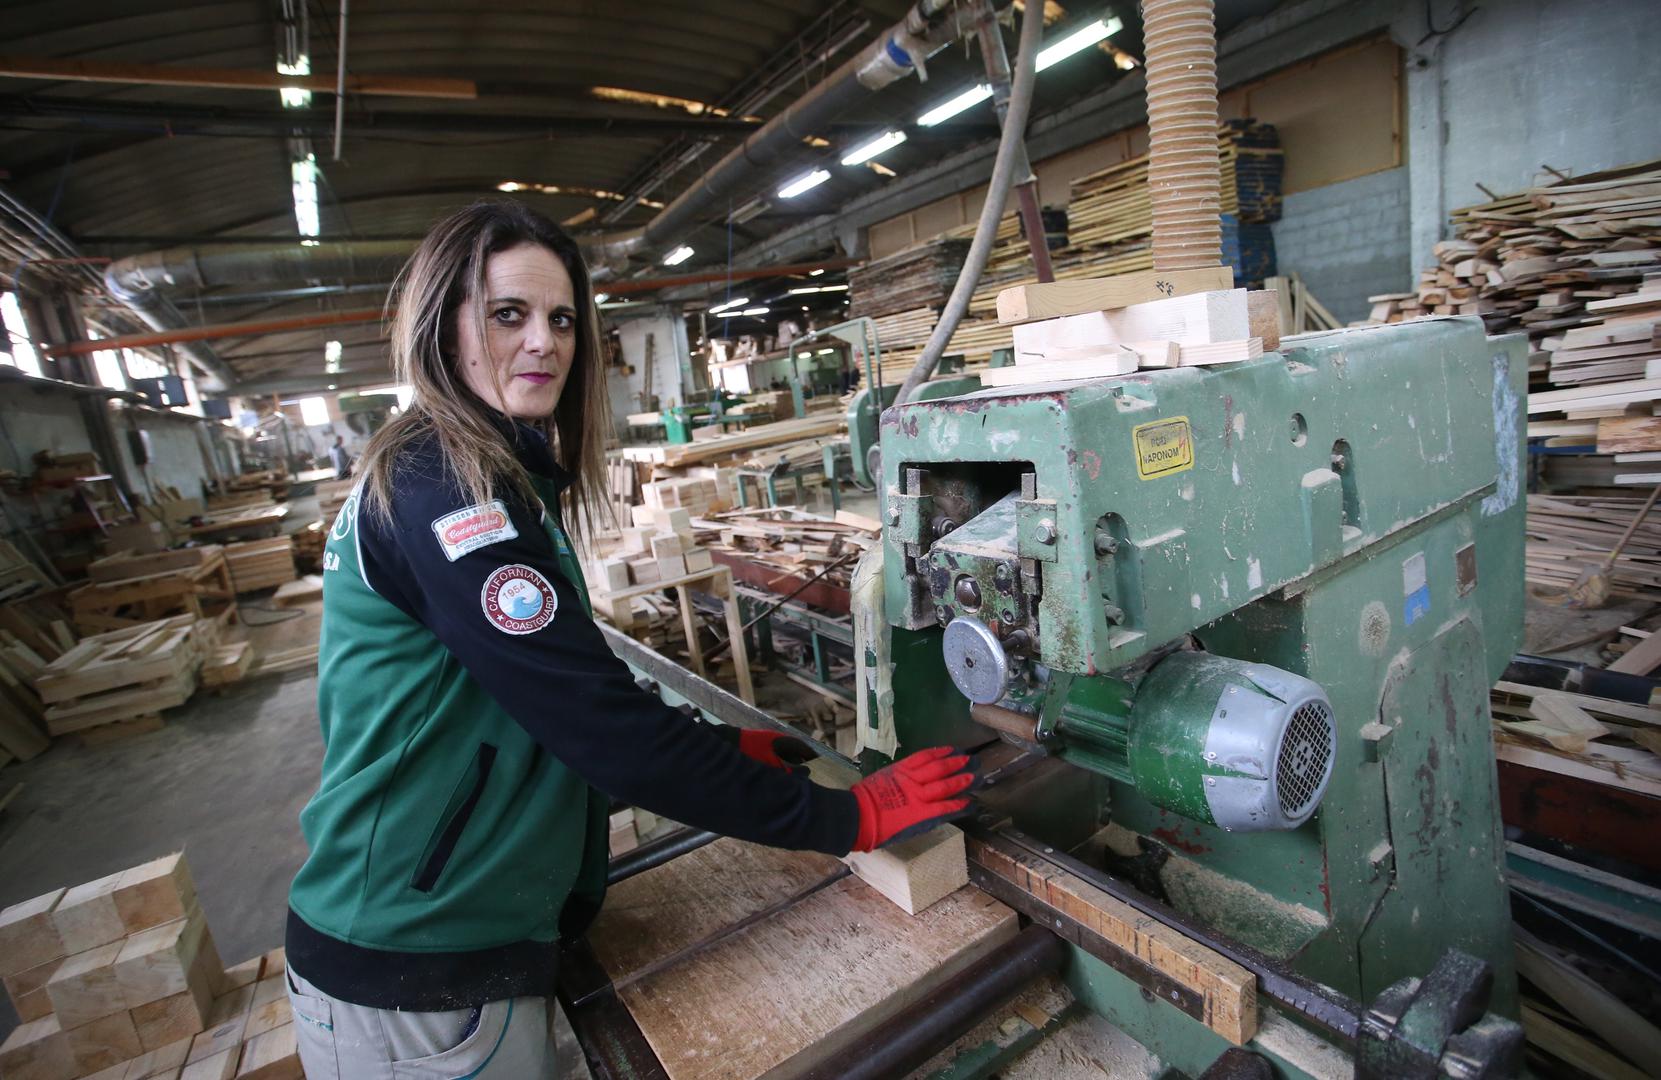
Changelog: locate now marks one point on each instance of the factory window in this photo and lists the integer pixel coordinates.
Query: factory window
(314, 411)
(15, 349)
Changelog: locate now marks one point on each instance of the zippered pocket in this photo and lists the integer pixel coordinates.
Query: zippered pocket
(463, 800)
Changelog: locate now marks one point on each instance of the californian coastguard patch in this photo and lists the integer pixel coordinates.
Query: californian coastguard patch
(518, 600)
(473, 527)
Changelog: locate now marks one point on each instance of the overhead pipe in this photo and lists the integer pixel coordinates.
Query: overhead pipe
(997, 190)
(905, 47)
(185, 335)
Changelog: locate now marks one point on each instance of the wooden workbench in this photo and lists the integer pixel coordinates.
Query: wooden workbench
(795, 990)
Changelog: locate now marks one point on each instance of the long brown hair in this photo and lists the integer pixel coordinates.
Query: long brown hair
(443, 280)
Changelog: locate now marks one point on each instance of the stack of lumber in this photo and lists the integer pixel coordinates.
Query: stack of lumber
(795, 543)
(1615, 743)
(1110, 233)
(697, 495)
(270, 481)
(237, 500)
(125, 677)
(918, 277)
(261, 564)
(659, 546)
(127, 589)
(1568, 533)
(120, 977)
(227, 664)
(38, 618)
(309, 543)
(1115, 326)
(730, 447)
(52, 468)
(331, 496)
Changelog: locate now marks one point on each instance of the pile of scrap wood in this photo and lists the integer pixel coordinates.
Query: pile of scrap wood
(795, 543)
(726, 448)
(1569, 533)
(120, 977)
(125, 677)
(261, 564)
(696, 494)
(920, 277)
(126, 589)
(309, 543)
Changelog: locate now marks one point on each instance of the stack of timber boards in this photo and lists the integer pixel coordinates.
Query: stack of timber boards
(261, 564)
(796, 990)
(125, 676)
(737, 444)
(793, 542)
(659, 546)
(1114, 326)
(918, 277)
(1567, 533)
(1614, 743)
(119, 979)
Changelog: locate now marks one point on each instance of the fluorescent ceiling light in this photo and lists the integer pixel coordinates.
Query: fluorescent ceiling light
(948, 109)
(303, 173)
(816, 273)
(331, 357)
(1079, 40)
(803, 290)
(804, 183)
(678, 256)
(295, 97)
(755, 311)
(738, 303)
(886, 141)
(601, 297)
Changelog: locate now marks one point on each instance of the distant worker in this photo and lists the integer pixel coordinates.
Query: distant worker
(340, 459)
(474, 719)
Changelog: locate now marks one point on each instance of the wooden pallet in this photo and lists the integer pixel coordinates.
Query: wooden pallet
(196, 575)
(125, 674)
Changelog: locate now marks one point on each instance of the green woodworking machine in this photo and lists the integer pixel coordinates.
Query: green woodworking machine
(1233, 629)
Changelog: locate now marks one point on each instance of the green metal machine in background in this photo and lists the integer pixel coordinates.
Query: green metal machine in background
(1247, 618)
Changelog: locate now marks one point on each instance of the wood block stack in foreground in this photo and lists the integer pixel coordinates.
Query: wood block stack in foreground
(120, 978)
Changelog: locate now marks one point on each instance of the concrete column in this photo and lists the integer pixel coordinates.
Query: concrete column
(1425, 129)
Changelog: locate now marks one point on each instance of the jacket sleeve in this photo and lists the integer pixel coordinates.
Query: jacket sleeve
(507, 613)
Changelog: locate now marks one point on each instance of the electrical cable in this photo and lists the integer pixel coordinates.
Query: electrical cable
(1003, 176)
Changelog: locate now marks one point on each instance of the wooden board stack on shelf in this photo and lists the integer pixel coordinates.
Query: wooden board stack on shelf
(120, 977)
(125, 677)
(245, 523)
(261, 564)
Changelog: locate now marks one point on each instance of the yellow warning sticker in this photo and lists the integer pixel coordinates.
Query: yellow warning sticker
(1163, 447)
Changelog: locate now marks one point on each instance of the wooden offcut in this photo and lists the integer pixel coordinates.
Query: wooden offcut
(916, 873)
(833, 964)
(1056, 298)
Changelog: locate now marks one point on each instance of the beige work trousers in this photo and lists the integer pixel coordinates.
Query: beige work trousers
(501, 1040)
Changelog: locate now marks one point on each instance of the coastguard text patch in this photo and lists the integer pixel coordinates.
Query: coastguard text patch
(472, 528)
(518, 599)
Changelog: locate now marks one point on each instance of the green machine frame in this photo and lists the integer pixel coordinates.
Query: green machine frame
(1346, 515)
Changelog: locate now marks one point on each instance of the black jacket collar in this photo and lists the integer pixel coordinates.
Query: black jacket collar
(531, 447)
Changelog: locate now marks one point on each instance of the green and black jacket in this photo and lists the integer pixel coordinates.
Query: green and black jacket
(468, 702)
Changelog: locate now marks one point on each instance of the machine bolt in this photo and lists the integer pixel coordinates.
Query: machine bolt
(1114, 613)
(1045, 532)
(1211, 781)
(1001, 572)
(968, 593)
(893, 515)
(944, 614)
(1211, 755)
(1105, 544)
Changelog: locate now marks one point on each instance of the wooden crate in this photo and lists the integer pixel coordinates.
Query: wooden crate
(151, 587)
(125, 675)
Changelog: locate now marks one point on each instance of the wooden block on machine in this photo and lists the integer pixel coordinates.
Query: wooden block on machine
(27, 990)
(87, 917)
(1263, 313)
(38, 1050)
(1108, 365)
(1196, 319)
(834, 964)
(1225, 993)
(158, 962)
(1057, 298)
(28, 936)
(84, 987)
(916, 873)
(106, 1041)
(271, 1055)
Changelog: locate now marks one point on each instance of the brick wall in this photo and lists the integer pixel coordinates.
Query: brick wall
(1348, 240)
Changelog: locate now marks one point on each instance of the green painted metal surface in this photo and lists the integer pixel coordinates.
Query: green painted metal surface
(1349, 510)
(864, 410)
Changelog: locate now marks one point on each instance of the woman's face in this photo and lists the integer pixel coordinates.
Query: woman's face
(530, 333)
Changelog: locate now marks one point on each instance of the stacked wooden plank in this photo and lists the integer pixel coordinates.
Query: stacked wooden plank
(246, 522)
(659, 546)
(697, 495)
(728, 447)
(1568, 534)
(1615, 743)
(126, 676)
(127, 589)
(120, 977)
(54, 468)
(227, 664)
(261, 564)
(918, 277)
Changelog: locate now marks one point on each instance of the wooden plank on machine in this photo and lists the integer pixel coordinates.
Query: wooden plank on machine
(1226, 991)
(797, 989)
(1194, 319)
(1055, 298)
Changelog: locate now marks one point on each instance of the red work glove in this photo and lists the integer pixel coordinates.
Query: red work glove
(912, 796)
(773, 748)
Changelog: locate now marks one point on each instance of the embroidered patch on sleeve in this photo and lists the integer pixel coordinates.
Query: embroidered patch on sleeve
(518, 600)
(473, 527)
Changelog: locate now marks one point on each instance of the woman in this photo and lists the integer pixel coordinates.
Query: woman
(468, 701)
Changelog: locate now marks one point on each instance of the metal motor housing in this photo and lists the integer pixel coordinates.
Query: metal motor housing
(1247, 747)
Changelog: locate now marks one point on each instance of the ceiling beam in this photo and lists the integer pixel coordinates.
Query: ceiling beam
(252, 328)
(55, 68)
